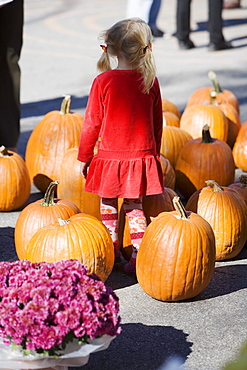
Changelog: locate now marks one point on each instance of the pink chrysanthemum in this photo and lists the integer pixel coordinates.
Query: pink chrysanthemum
(44, 305)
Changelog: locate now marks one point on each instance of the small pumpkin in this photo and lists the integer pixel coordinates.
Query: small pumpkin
(239, 150)
(72, 184)
(169, 175)
(15, 186)
(153, 205)
(57, 132)
(168, 106)
(170, 119)
(172, 141)
(38, 214)
(177, 255)
(202, 95)
(241, 187)
(82, 237)
(226, 212)
(202, 159)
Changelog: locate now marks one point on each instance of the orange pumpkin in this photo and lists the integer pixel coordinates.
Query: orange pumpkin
(172, 141)
(196, 116)
(226, 212)
(177, 255)
(57, 132)
(15, 183)
(153, 205)
(241, 187)
(202, 159)
(82, 237)
(239, 150)
(72, 185)
(169, 175)
(168, 106)
(170, 119)
(202, 95)
(38, 214)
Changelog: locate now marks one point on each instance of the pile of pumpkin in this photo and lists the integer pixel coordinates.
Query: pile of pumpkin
(181, 244)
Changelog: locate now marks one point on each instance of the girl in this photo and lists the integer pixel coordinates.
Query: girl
(124, 114)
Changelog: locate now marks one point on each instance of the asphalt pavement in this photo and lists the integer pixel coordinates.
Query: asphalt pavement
(59, 56)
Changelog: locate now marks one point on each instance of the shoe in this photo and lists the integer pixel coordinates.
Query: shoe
(224, 45)
(156, 32)
(186, 44)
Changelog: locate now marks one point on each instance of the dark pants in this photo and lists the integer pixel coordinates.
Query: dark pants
(11, 29)
(215, 23)
(153, 13)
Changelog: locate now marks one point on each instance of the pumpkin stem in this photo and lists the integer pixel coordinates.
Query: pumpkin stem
(65, 106)
(213, 78)
(213, 95)
(63, 222)
(206, 137)
(178, 205)
(214, 185)
(3, 151)
(243, 180)
(49, 195)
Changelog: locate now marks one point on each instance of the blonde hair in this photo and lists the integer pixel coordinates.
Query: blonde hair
(130, 39)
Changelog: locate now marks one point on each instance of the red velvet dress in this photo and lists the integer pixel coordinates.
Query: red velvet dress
(128, 126)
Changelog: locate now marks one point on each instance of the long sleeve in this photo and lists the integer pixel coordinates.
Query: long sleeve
(92, 124)
(157, 117)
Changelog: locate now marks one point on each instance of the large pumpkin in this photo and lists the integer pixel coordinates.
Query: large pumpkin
(239, 150)
(38, 214)
(57, 132)
(196, 116)
(168, 106)
(177, 255)
(72, 185)
(15, 185)
(203, 94)
(202, 159)
(226, 212)
(82, 237)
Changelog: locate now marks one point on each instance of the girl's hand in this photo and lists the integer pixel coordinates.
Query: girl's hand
(84, 169)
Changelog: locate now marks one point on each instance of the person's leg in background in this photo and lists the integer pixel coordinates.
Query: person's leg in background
(11, 31)
(137, 226)
(183, 24)
(153, 15)
(215, 26)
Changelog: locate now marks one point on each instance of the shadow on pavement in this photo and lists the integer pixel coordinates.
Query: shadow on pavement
(155, 345)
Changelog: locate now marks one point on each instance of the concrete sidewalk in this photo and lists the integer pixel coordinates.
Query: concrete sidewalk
(59, 56)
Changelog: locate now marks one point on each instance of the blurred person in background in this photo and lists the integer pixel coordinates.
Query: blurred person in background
(11, 38)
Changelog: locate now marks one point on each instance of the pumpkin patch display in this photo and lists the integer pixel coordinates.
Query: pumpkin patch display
(15, 186)
(225, 210)
(82, 237)
(202, 159)
(72, 184)
(176, 258)
(57, 132)
(203, 94)
(38, 214)
(239, 150)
